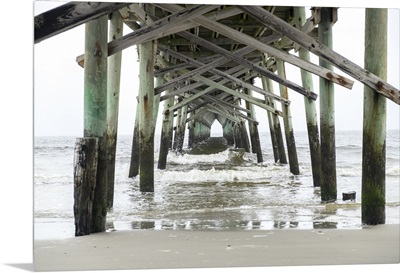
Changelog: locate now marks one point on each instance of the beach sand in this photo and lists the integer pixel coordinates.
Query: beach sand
(212, 249)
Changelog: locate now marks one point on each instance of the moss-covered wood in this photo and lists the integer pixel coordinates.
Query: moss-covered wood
(374, 122)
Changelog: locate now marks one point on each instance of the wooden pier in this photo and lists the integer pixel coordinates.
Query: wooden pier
(200, 62)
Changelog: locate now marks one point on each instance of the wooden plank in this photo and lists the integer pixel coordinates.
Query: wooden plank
(285, 56)
(321, 50)
(68, 16)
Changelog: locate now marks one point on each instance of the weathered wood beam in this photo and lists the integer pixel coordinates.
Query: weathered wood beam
(231, 109)
(285, 56)
(68, 16)
(246, 63)
(214, 85)
(219, 111)
(201, 68)
(193, 86)
(227, 104)
(156, 29)
(227, 76)
(322, 51)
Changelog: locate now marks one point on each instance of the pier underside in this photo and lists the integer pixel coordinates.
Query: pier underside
(200, 62)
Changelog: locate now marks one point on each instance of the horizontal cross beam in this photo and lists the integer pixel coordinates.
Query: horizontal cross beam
(344, 64)
(68, 16)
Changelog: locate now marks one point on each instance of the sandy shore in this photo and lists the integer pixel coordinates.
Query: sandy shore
(209, 249)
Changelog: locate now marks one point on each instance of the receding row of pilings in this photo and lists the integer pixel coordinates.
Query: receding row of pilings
(101, 91)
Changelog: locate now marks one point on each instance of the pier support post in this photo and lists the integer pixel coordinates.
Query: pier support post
(134, 166)
(253, 129)
(245, 136)
(146, 116)
(327, 108)
(85, 169)
(95, 110)
(310, 107)
(180, 131)
(374, 123)
(113, 86)
(228, 134)
(276, 132)
(287, 123)
(191, 132)
(166, 131)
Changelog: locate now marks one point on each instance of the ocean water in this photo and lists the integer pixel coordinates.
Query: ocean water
(211, 192)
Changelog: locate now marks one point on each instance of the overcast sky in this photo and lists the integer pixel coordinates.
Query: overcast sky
(58, 80)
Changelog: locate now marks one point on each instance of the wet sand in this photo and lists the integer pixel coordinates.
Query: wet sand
(212, 249)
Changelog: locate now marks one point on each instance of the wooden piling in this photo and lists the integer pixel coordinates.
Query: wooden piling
(276, 126)
(327, 115)
(134, 165)
(310, 106)
(227, 131)
(166, 131)
(146, 116)
(113, 87)
(274, 142)
(181, 130)
(245, 136)
(287, 123)
(374, 122)
(176, 130)
(95, 110)
(85, 171)
(253, 130)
